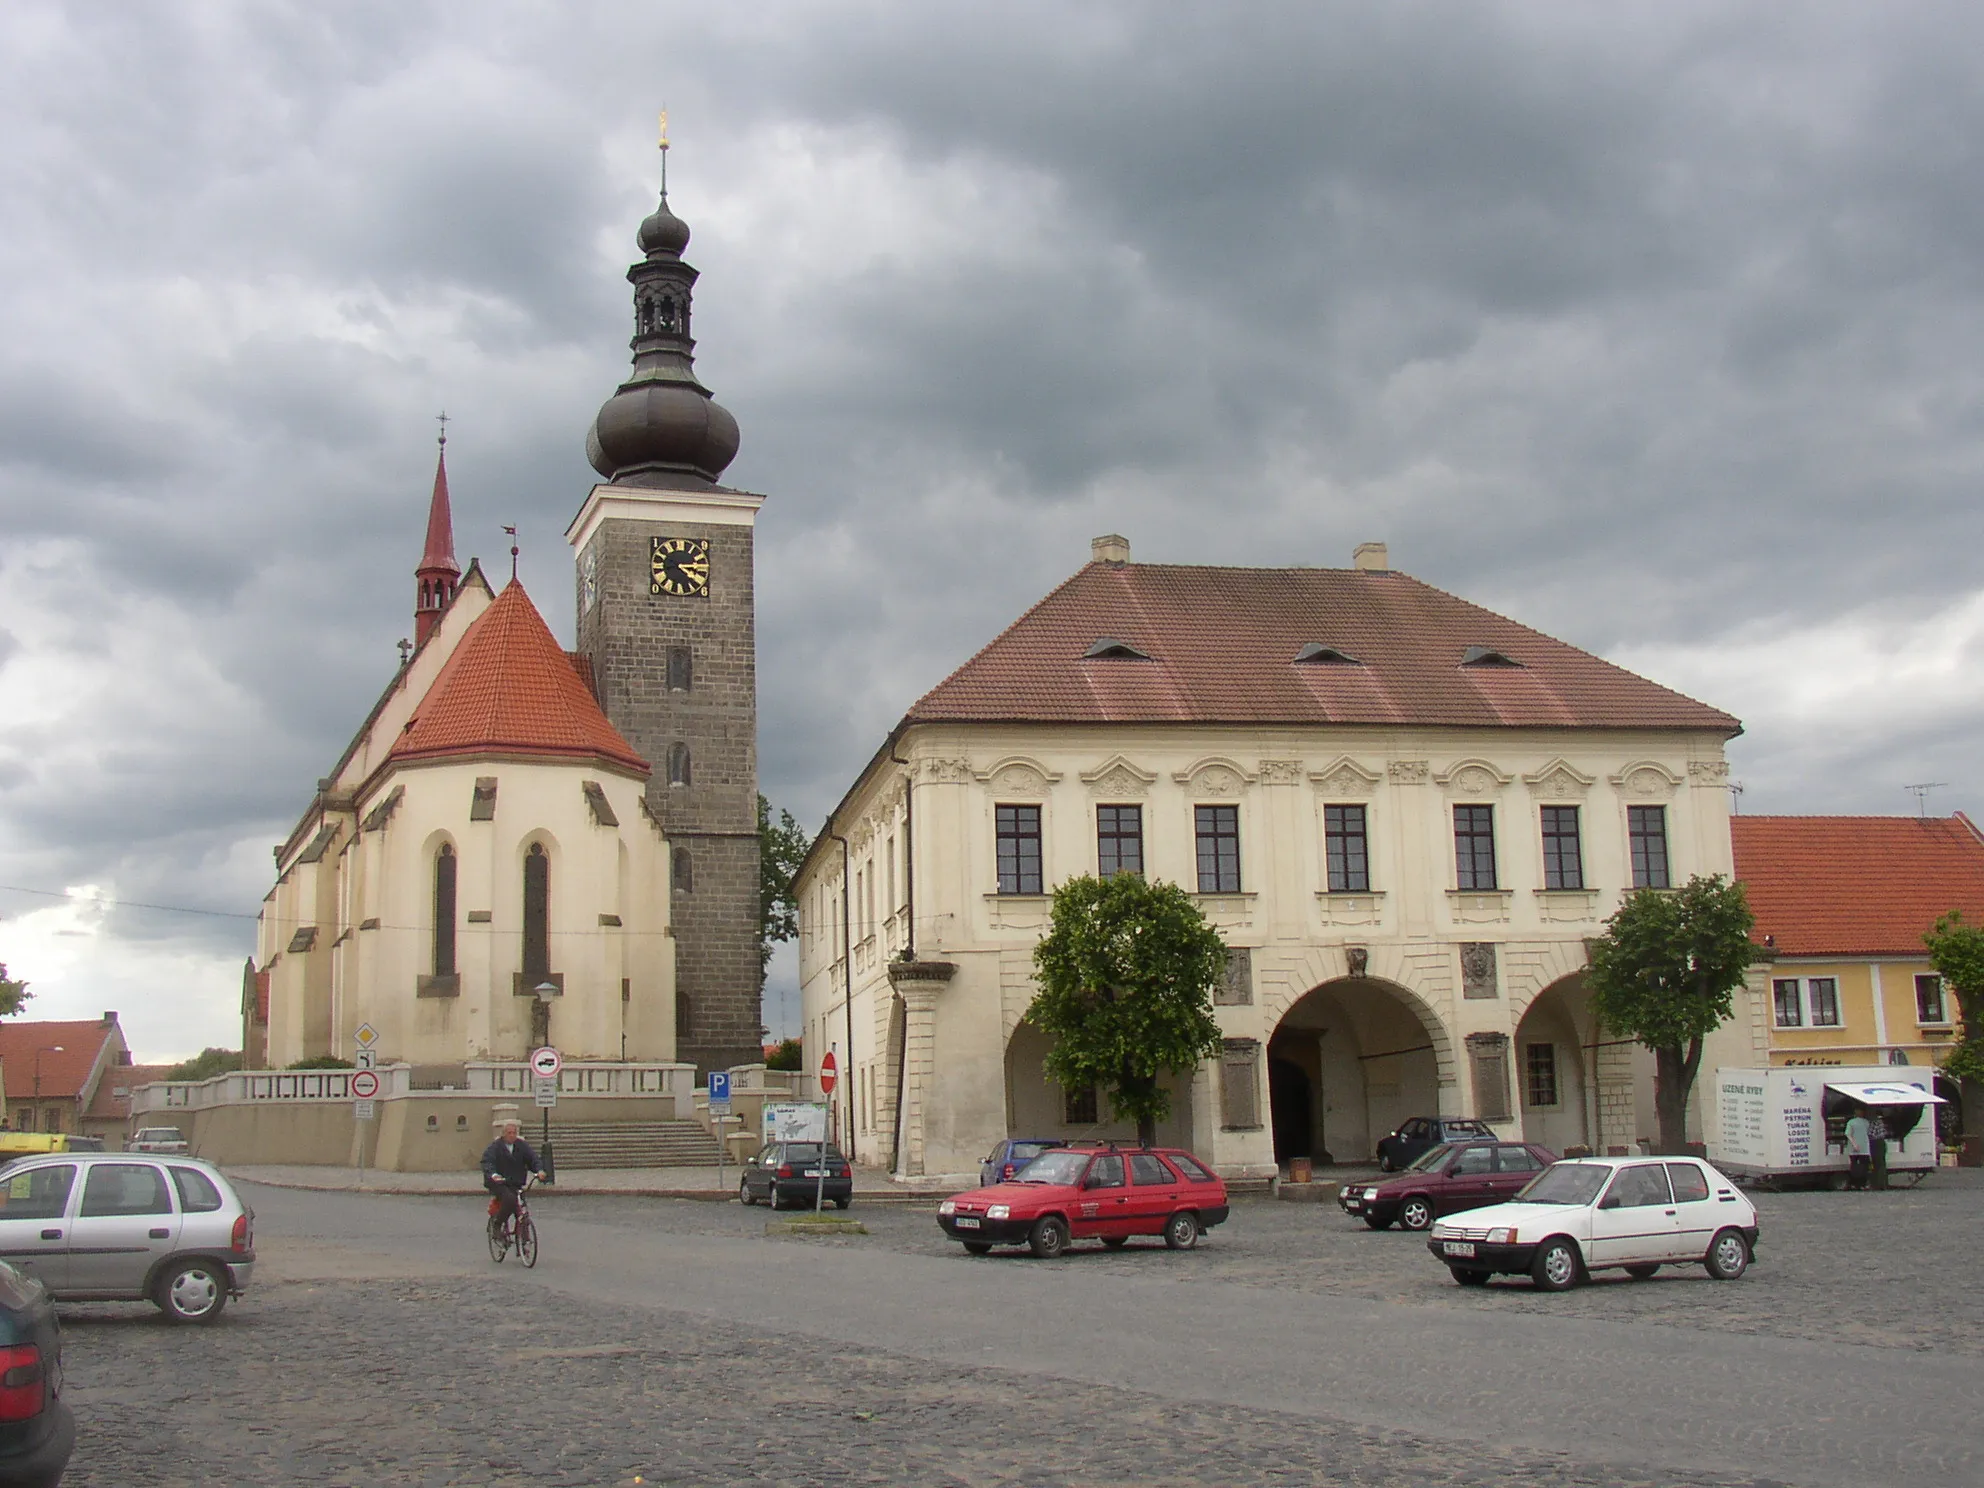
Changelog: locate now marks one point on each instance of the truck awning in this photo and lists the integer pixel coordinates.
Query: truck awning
(1888, 1095)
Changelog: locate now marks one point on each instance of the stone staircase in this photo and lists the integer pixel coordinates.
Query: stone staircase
(631, 1144)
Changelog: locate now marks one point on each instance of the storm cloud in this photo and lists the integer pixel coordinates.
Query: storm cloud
(1651, 325)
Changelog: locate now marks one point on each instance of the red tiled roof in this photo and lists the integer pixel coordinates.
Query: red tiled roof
(109, 1105)
(63, 1073)
(508, 689)
(1857, 885)
(1222, 643)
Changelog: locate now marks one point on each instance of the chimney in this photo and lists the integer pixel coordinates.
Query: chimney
(109, 1018)
(1371, 558)
(1110, 548)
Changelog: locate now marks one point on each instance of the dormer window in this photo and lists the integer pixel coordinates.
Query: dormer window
(1317, 654)
(1487, 656)
(1109, 646)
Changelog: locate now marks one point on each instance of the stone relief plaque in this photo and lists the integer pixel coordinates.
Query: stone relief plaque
(1477, 969)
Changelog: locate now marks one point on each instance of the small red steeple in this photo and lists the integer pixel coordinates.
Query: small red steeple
(438, 574)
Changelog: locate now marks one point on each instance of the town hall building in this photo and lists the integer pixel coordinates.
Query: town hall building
(1404, 814)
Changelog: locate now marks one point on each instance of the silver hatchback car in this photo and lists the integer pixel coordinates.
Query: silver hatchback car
(126, 1227)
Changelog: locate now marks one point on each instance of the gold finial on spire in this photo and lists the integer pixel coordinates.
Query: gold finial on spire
(664, 129)
(664, 152)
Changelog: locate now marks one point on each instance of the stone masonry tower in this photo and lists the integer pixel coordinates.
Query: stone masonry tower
(666, 618)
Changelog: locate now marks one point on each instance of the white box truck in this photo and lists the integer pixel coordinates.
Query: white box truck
(1789, 1121)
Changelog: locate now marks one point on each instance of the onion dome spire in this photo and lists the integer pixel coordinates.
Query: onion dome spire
(661, 427)
(438, 575)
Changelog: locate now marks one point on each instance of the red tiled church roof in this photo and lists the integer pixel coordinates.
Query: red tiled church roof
(1222, 642)
(68, 1052)
(1857, 885)
(508, 689)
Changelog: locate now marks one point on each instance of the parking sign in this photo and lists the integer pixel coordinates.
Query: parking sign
(719, 1093)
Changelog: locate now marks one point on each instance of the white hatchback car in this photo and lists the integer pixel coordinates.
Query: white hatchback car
(1599, 1213)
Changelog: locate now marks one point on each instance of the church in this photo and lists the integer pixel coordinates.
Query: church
(523, 845)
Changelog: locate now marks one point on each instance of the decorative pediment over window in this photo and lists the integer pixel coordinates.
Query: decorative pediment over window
(1215, 775)
(1117, 779)
(1343, 776)
(1559, 781)
(1473, 777)
(1020, 774)
(1646, 780)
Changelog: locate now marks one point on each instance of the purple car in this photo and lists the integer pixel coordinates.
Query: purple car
(1011, 1155)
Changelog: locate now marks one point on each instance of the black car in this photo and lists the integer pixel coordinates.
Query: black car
(37, 1433)
(790, 1173)
(1422, 1134)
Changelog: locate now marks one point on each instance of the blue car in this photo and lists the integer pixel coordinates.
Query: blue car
(1011, 1155)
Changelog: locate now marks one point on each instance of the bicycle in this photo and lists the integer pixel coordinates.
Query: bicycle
(519, 1233)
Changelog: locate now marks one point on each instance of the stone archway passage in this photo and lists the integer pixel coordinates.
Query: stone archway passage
(1551, 1067)
(1370, 1059)
(1037, 1107)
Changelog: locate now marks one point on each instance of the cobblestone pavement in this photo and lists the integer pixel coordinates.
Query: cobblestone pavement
(378, 1348)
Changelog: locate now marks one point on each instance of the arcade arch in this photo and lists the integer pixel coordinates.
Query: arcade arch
(1348, 1062)
(1037, 1107)
(1553, 1072)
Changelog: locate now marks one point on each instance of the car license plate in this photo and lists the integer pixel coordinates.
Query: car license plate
(1458, 1247)
(811, 1173)
(965, 1222)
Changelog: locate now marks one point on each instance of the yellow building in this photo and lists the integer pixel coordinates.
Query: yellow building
(1844, 901)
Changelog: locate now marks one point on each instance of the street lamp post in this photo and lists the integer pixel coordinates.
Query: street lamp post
(51, 1049)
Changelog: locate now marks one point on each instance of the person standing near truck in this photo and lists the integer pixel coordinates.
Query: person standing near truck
(1859, 1149)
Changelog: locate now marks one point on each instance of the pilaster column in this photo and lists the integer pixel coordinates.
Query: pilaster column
(918, 983)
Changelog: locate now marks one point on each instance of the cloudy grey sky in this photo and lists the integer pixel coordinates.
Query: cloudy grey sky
(1654, 326)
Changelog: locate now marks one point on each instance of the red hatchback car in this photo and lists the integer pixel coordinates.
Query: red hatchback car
(1090, 1193)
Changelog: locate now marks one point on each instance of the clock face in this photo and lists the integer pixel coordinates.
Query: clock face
(679, 565)
(588, 579)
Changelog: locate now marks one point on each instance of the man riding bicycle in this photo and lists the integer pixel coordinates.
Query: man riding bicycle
(507, 1164)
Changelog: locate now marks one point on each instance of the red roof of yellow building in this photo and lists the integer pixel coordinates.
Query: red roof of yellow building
(1857, 885)
(509, 690)
(52, 1059)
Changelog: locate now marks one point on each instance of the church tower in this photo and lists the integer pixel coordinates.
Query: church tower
(438, 576)
(666, 618)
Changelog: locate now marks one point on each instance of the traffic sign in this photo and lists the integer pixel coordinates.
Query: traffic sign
(365, 1036)
(546, 1062)
(547, 1092)
(719, 1093)
(365, 1059)
(364, 1084)
(829, 1076)
(363, 1109)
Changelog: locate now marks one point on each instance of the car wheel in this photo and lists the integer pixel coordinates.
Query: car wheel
(1416, 1213)
(1376, 1223)
(842, 1203)
(771, 1198)
(194, 1292)
(1181, 1231)
(1115, 1242)
(1385, 1163)
(744, 1193)
(1642, 1273)
(1048, 1238)
(1467, 1276)
(1557, 1267)
(977, 1247)
(1728, 1255)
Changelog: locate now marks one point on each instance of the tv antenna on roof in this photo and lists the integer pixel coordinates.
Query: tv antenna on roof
(1735, 789)
(1921, 791)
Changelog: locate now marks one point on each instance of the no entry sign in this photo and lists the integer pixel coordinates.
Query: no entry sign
(364, 1085)
(829, 1074)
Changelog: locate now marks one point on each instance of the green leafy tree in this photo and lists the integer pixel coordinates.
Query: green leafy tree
(782, 847)
(786, 1056)
(13, 995)
(205, 1065)
(320, 1061)
(1126, 973)
(1665, 974)
(1956, 950)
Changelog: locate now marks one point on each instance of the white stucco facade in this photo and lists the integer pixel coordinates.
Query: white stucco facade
(1348, 1012)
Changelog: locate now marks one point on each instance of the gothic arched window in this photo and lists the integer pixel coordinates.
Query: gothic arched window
(537, 913)
(682, 872)
(678, 764)
(681, 669)
(444, 911)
